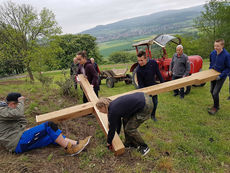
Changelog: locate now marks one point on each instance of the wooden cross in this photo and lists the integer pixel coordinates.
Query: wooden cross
(88, 108)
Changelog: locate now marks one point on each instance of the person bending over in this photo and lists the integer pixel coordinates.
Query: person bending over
(132, 110)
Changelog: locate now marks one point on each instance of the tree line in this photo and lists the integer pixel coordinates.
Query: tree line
(31, 41)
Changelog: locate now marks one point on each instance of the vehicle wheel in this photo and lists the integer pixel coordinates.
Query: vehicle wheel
(128, 79)
(134, 79)
(187, 90)
(110, 82)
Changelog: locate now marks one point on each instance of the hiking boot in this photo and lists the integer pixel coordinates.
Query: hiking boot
(76, 149)
(181, 97)
(143, 150)
(86, 140)
(212, 111)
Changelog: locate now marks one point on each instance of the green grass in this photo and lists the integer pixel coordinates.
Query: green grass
(106, 48)
(184, 139)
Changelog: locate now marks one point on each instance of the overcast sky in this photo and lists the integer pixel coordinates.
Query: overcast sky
(78, 15)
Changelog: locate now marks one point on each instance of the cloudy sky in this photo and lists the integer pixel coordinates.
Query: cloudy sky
(78, 15)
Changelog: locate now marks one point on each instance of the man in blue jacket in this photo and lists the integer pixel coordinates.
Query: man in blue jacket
(147, 71)
(219, 61)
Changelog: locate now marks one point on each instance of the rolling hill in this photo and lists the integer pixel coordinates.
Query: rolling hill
(171, 21)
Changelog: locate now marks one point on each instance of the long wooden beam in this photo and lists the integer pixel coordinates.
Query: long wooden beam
(87, 108)
(118, 146)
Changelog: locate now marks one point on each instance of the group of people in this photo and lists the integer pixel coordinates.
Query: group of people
(89, 68)
(130, 110)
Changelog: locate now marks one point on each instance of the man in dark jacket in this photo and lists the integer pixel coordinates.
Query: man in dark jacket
(219, 61)
(147, 71)
(179, 67)
(133, 110)
(87, 69)
(73, 71)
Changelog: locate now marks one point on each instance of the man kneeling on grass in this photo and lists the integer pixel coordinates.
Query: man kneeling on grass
(16, 138)
(133, 109)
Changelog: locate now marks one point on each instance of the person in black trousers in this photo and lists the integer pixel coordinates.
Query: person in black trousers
(147, 71)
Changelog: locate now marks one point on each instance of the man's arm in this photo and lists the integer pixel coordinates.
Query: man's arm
(158, 73)
(140, 79)
(211, 62)
(226, 71)
(13, 114)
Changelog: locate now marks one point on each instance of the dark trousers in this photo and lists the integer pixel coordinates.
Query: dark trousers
(216, 86)
(131, 124)
(85, 100)
(177, 91)
(155, 103)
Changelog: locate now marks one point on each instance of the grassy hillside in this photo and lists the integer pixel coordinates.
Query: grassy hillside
(185, 138)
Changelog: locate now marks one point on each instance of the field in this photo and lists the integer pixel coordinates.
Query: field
(106, 48)
(184, 139)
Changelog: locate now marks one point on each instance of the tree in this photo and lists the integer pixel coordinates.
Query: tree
(23, 28)
(213, 23)
(71, 44)
(122, 57)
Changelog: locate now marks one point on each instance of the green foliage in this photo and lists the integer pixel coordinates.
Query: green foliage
(21, 30)
(66, 86)
(213, 24)
(122, 57)
(45, 80)
(71, 44)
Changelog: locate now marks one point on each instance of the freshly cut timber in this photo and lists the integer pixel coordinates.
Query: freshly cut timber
(88, 108)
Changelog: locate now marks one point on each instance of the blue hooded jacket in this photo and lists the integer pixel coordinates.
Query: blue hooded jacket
(220, 63)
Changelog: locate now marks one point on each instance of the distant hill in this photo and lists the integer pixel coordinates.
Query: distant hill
(171, 21)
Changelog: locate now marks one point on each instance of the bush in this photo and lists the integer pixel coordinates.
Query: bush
(66, 86)
(45, 80)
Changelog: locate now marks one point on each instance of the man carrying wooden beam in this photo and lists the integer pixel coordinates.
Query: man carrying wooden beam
(147, 71)
(84, 109)
(132, 110)
(219, 61)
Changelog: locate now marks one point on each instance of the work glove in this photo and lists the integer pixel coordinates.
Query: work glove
(218, 78)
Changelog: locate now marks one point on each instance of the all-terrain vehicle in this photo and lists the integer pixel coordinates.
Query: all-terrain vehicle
(163, 62)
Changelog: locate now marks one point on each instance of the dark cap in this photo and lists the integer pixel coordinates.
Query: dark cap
(13, 97)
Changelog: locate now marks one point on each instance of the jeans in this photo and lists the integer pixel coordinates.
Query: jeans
(216, 86)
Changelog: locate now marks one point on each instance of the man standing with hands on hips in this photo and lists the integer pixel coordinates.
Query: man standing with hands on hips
(179, 68)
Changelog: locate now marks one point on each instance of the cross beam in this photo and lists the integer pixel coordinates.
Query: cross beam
(87, 108)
